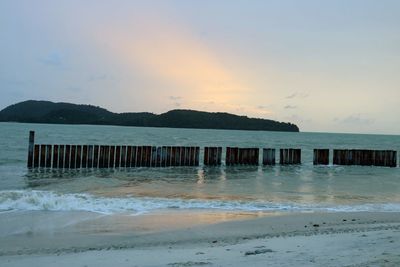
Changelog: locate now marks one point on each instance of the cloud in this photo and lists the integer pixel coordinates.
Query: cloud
(297, 95)
(355, 119)
(54, 59)
(290, 107)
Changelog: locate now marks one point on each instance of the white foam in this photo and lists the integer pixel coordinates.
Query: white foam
(33, 200)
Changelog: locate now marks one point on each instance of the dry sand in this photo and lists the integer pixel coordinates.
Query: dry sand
(313, 239)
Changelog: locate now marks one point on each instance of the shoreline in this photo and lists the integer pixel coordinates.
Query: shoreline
(333, 235)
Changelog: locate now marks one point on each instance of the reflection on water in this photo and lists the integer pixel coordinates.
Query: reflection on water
(297, 184)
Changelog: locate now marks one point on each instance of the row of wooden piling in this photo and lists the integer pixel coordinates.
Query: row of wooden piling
(364, 157)
(117, 156)
(106, 156)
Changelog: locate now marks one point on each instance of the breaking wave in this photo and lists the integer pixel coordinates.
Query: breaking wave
(34, 200)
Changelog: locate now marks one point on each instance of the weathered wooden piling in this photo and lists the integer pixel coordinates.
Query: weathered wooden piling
(106, 156)
(212, 156)
(30, 148)
(96, 151)
(72, 161)
(362, 157)
(232, 156)
(290, 156)
(242, 156)
(148, 156)
(36, 156)
(55, 157)
(61, 156)
(197, 156)
(123, 157)
(269, 156)
(48, 156)
(67, 156)
(133, 156)
(321, 157)
(42, 156)
(84, 156)
(117, 160)
(78, 160)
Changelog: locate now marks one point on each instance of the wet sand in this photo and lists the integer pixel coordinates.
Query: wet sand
(200, 239)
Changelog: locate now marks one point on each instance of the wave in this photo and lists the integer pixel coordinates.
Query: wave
(34, 200)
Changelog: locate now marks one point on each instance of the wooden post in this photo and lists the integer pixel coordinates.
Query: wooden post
(101, 156)
(84, 156)
(139, 155)
(36, 158)
(393, 162)
(158, 157)
(123, 156)
(112, 157)
(235, 155)
(241, 156)
(177, 156)
(187, 156)
(256, 152)
(283, 156)
(228, 154)
(206, 156)
(290, 156)
(49, 155)
(133, 156)
(197, 156)
(153, 156)
(148, 158)
(67, 156)
(72, 163)
(144, 156)
(173, 154)
(168, 156)
(385, 158)
(297, 158)
(212, 156)
(61, 156)
(219, 155)
(321, 157)
(30, 148)
(269, 156)
(78, 156)
(117, 156)
(42, 156)
(128, 156)
(163, 156)
(55, 157)
(107, 157)
(96, 152)
(182, 156)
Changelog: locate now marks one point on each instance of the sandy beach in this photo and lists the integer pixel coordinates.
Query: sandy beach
(235, 239)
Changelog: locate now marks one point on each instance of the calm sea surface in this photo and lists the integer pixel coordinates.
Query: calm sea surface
(136, 191)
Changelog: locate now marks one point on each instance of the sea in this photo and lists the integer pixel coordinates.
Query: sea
(135, 191)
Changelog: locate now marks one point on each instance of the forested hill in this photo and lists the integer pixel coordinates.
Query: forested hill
(32, 111)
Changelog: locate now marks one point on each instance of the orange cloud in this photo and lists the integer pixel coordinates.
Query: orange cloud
(166, 51)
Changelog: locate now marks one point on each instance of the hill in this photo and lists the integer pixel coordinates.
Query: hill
(32, 111)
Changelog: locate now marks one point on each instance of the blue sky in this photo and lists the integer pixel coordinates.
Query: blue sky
(328, 66)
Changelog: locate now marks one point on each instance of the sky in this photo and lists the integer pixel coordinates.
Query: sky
(327, 66)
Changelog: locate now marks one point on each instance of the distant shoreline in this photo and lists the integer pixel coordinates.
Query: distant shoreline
(66, 113)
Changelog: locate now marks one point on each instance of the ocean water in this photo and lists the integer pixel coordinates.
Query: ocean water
(141, 190)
